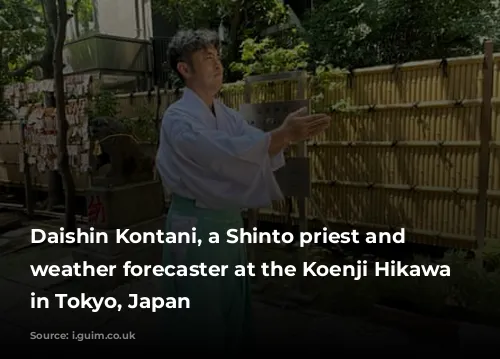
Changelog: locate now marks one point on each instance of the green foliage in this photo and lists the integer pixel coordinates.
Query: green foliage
(326, 79)
(23, 31)
(105, 104)
(6, 112)
(491, 254)
(241, 19)
(470, 286)
(264, 57)
(255, 15)
(370, 32)
(143, 127)
(234, 87)
(21, 34)
(191, 13)
(428, 294)
(83, 11)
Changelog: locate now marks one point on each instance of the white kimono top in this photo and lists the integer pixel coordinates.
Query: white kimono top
(221, 161)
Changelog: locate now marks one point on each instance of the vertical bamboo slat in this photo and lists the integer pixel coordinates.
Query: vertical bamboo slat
(419, 102)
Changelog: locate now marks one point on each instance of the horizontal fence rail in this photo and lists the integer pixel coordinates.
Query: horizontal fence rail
(409, 149)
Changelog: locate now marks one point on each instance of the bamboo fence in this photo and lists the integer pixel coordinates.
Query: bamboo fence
(417, 147)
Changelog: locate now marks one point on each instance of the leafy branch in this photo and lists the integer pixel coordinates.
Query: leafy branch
(264, 57)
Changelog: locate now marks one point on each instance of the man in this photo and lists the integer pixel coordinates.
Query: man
(214, 164)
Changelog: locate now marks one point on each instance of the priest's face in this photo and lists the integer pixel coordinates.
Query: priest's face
(206, 70)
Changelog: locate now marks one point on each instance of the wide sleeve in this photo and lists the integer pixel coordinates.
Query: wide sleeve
(221, 170)
(244, 128)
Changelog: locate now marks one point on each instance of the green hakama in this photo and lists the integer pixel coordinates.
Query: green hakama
(222, 162)
(220, 315)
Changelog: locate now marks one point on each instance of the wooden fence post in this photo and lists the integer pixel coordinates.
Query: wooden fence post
(484, 150)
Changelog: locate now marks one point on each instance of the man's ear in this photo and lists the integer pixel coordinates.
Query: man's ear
(183, 69)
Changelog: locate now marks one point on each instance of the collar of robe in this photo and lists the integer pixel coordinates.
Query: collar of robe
(190, 96)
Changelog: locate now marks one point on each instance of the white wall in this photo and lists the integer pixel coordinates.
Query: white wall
(117, 18)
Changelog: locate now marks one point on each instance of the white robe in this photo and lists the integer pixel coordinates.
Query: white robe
(221, 161)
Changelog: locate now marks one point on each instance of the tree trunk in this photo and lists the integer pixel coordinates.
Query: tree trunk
(55, 186)
(28, 183)
(55, 190)
(62, 123)
(234, 28)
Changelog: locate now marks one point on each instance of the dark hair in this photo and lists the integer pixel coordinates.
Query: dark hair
(186, 42)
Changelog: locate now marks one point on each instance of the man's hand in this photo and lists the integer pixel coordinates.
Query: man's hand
(300, 127)
(297, 127)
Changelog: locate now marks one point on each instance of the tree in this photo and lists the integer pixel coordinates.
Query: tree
(265, 57)
(59, 32)
(55, 16)
(363, 33)
(48, 9)
(20, 36)
(82, 15)
(242, 18)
